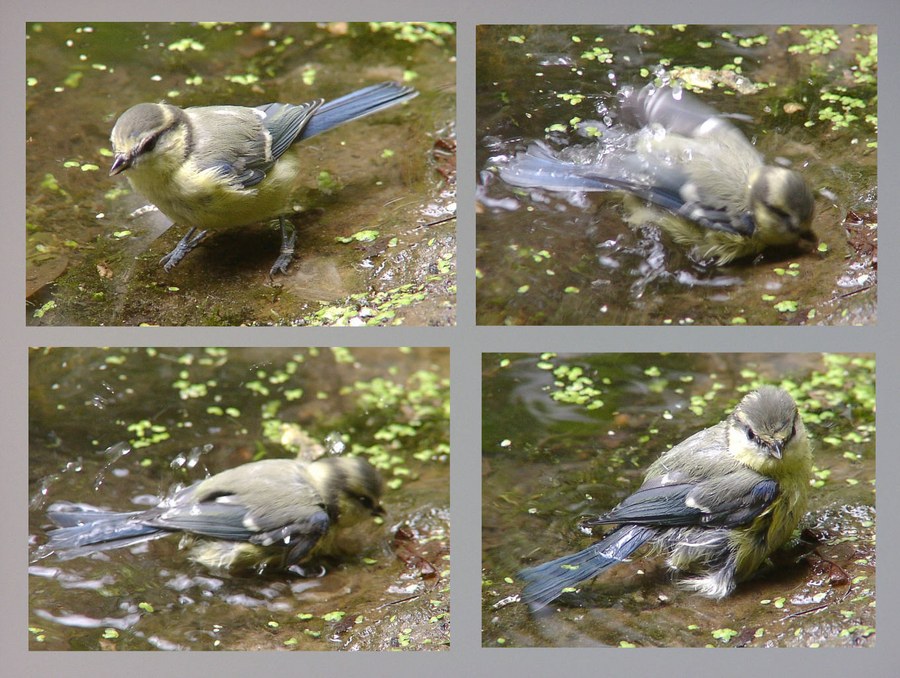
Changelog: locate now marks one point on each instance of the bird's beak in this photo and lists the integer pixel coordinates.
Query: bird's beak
(776, 449)
(120, 163)
(378, 510)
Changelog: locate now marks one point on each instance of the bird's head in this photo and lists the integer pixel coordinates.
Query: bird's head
(782, 204)
(350, 486)
(149, 131)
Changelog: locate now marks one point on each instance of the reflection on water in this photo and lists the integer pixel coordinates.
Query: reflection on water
(120, 428)
(549, 258)
(545, 468)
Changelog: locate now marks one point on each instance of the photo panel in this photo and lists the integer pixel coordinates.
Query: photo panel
(678, 500)
(309, 170)
(239, 498)
(676, 174)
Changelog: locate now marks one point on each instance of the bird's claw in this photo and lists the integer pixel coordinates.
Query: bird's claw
(286, 255)
(185, 245)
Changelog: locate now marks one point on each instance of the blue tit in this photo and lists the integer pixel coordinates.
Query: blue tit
(270, 513)
(219, 166)
(686, 169)
(717, 504)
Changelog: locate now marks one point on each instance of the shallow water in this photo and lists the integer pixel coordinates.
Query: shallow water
(568, 436)
(184, 413)
(570, 259)
(91, 261)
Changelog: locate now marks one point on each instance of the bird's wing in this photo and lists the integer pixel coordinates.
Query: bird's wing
(666, 186)
(216, 518)
(227, 506)
(676, 500)
(243, 144)
(285, 122)
(735, 499)
(675, 110)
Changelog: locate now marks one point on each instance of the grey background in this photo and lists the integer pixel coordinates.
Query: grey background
(466, 656)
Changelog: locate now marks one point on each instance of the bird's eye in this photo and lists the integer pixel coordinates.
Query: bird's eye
(366, 502)
(751, 436)
(148, 144)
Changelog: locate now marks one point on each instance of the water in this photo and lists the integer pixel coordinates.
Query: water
(569, 436)
(90, 262)
(183, 413)
(570, 259)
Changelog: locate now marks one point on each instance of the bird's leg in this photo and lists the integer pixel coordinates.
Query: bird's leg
(185, 245)
(287, 248)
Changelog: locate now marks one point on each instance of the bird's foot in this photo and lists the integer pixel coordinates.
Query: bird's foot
(286, 255)
(185, 245)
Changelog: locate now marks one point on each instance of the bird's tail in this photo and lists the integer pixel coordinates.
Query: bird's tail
(83, 529)
(544, 583)
(538, 167)
(357, 104)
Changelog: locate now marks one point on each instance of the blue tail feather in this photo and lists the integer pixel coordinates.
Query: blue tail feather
(355, 105)
(545, 583)
(84, 529)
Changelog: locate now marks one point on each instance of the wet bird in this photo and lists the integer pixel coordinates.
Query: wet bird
(717, 504)
(685, 168)
(219, 166)
(270, 513)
